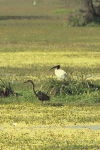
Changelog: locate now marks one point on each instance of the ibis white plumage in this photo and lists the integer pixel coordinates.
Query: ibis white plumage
(34, 2)
(61, 74)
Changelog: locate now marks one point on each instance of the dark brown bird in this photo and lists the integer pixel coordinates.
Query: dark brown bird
(40, 95)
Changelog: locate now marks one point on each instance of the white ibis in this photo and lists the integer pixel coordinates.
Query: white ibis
(34, 2)
(61, 74)
(40, 95)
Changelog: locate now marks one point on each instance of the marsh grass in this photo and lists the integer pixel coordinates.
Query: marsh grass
(71, 86)
(5, 88)
(28, 49)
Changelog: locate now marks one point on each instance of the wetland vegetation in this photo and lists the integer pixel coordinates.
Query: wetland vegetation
(28, 49)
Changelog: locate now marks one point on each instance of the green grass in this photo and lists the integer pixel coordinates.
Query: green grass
(63, 11)
(28, 49)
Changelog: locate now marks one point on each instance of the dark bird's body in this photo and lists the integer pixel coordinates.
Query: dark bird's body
(40, 95)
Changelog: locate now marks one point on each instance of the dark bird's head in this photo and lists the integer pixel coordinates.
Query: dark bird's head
(28, 81)
(58, 66)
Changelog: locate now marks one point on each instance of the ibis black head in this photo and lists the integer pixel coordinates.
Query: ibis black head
(58, 66)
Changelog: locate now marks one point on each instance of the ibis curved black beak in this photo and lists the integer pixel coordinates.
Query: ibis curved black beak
(53, 67)
(58, 66)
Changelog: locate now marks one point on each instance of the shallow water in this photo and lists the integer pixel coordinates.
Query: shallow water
(95, 127)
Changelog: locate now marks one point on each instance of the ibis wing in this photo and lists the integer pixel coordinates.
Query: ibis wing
(61, 74)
